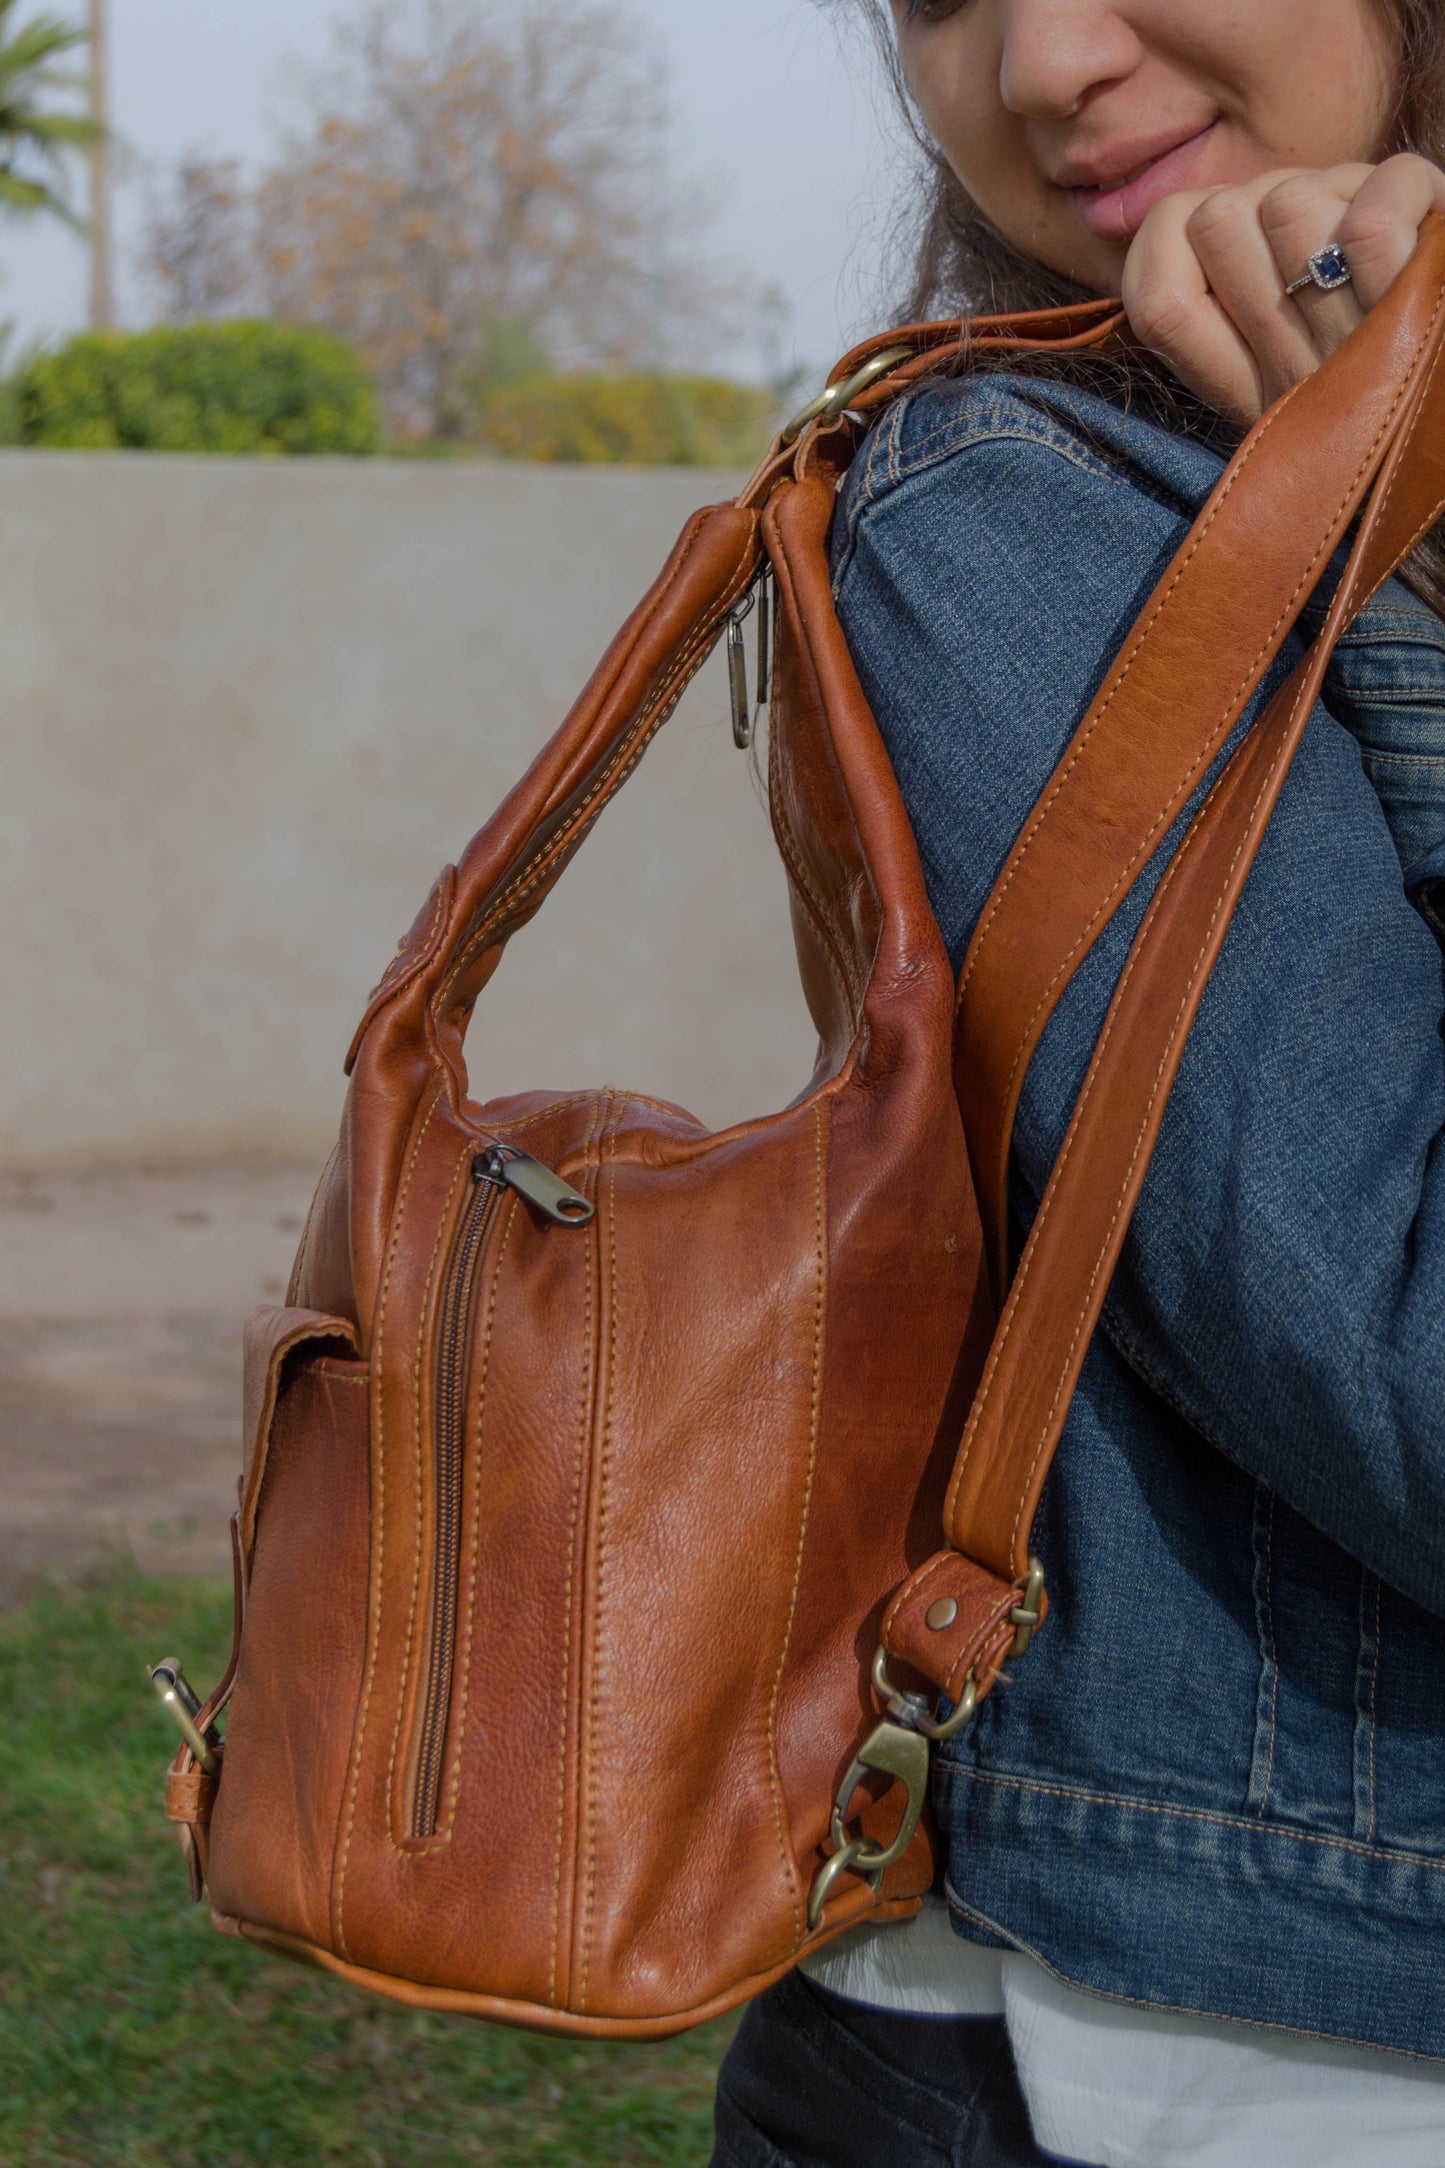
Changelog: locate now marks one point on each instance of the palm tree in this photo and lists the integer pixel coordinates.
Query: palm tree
(32, 135)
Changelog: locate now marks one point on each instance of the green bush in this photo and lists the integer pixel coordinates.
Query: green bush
(645, 421)
(234, 387)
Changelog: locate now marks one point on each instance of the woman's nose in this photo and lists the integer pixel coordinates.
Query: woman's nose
(1056, 52)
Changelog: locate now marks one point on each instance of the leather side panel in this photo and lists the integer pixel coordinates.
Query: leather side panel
(704, 1457)
(274, 1829)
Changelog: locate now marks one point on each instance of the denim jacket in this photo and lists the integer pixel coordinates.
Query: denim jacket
(1216, 1784)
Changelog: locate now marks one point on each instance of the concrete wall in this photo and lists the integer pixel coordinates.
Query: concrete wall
(248, 709)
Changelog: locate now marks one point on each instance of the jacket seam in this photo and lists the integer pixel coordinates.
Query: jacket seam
(1377, 1854)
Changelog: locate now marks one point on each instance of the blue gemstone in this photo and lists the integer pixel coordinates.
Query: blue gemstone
(1331, 267)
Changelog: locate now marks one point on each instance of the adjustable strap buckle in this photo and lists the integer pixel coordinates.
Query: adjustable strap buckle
(901, 1748)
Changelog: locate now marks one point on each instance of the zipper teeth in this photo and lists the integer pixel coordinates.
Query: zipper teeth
(450, 1438)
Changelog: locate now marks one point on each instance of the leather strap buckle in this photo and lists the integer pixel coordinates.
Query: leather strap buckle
(901, 1748)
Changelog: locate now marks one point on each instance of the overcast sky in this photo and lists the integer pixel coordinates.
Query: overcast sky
(777, 112)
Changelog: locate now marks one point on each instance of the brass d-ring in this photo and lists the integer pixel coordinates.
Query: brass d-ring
(838, 398)
(917, 1716)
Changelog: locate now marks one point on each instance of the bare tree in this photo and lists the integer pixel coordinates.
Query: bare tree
(198, 251)
(478, 172)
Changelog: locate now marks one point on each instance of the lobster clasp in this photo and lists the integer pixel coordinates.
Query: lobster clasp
(893, 1752)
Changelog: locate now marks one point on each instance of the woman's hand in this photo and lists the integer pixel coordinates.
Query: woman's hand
(1204, 283)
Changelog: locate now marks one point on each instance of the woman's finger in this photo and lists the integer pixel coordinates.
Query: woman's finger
(1227, 234)
(1173, 312)
(1379, 231)
(1299, 214)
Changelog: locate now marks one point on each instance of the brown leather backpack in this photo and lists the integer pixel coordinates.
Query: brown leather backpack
(603, 1474)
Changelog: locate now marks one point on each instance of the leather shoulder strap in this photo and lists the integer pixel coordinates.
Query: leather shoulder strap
(1197, 655)
(1058, 1293)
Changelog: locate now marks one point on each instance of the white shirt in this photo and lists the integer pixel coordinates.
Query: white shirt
(1123, 2087)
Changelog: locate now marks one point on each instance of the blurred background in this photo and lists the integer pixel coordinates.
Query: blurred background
(358, 366)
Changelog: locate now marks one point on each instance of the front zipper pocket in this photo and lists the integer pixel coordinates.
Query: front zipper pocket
(499, 1168)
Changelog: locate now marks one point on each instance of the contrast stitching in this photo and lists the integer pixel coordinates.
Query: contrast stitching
(1273, 1656)
(1415, 420)
(379, 1460)
(1176, 2009)
(820, 1307)
(542, 1114)
(832, 955)
(1374, 1700)
(1360, 605)
(1011, 430)
(597, 1608)
(484, 1370)
(566, 1696)
(1377, 1854)
(389, 984)
(851, 983)
(648, 719)
(1369, 1715)
(293, 1284)
(894, 441)
(443, 1219)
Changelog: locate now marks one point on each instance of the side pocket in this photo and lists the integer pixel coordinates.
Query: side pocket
(305, 1566)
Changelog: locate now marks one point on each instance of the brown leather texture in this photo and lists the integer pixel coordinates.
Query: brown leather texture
(566, 1547)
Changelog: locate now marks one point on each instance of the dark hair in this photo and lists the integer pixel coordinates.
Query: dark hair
(959, 264)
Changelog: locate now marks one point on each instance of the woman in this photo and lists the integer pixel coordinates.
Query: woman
(1195, 1896)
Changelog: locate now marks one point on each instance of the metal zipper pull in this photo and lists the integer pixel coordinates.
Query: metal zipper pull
(538, 1184)
(738, 671)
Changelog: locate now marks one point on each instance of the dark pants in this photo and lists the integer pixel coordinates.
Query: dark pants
(812, 2081)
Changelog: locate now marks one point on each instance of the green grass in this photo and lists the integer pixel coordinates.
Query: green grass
(131, 2033)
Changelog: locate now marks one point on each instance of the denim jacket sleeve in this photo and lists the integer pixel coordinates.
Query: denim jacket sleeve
(1283, 1285)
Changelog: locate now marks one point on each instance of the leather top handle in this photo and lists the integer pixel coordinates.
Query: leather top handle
(1204, 642)
(415, 1022)
(511, 866)
(1078, 1232)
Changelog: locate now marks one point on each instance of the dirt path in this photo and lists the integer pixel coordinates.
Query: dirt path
(121, 1304)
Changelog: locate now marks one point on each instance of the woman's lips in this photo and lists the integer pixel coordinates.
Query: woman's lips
(1116, 214)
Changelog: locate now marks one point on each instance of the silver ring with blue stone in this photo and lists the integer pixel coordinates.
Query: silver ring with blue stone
(1329, 269)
